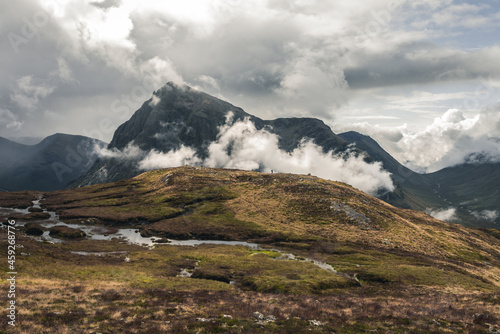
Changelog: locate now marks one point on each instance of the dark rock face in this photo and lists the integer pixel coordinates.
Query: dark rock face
(184, 116)
(292, 131)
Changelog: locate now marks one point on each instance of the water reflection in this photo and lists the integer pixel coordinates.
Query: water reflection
(128, 235)
(133, 236)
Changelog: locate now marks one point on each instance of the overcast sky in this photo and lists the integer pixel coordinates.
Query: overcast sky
(422, 77)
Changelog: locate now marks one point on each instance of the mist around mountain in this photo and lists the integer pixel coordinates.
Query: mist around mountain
(51, 164)
(183, 126)
(466, 193)
(297, 252)
(180, 126)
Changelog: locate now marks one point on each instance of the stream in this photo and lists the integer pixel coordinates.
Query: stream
(133, 236)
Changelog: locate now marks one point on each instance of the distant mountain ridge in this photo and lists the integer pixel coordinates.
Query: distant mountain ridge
(472, 189)
(49, 165)
(188, 117)
(181, 116)
(184, 116)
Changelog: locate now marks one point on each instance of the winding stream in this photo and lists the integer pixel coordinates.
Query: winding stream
(133, 236)
(94, 232)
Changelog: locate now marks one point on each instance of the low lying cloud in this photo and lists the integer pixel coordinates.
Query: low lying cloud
(130, 152)
(443, 214)
(487, 214)
(240, 145)
(154, 100)
(183, 156)
(453, 138)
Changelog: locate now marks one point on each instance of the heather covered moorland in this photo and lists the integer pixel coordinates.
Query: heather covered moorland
(321, 257)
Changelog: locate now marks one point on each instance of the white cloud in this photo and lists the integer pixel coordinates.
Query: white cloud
(313, 81)
(29, 91)
(158, 71)
(182, 156)
(443, 214)
(8, 119)
(154, 100)
(285, 50)
(130, 152)
(92, 30)
(242, 146)
(63, 72)
(487, 214)
(451, 139)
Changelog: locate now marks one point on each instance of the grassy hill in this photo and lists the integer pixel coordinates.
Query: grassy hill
(397, 270)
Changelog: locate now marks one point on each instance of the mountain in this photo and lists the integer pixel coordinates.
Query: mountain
(181, 116)
(49, 165)
(26, 140)
(184, 116)
(10, 152)
(471, 189)
(178, 116)
(329, 259)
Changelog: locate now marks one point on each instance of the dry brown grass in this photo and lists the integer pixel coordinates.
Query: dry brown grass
(111, 307)
(417, 274)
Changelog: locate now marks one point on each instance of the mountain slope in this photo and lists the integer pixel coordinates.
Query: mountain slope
(178, 117)
(181, 116)
(48, 165)
(282, 209)
(330, 259)
(292, 131)
(11, 152)
(471, 189)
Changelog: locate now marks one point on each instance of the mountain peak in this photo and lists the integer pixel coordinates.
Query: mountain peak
(180, 116)
(175, 116)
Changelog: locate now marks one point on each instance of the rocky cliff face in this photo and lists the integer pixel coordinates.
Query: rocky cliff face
(181, 116)
(176, 116)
